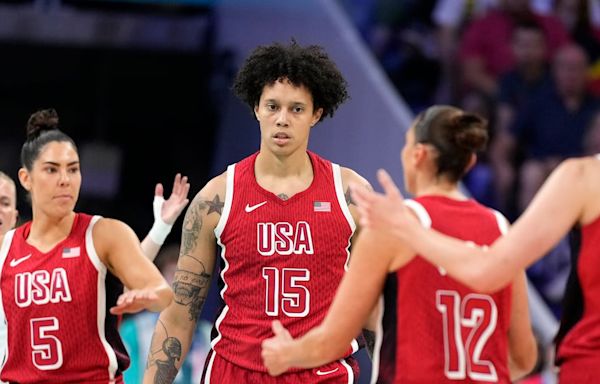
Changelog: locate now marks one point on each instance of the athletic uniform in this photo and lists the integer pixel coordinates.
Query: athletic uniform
(435, 329)
(280, 260)
(578, 353)
(56, 307)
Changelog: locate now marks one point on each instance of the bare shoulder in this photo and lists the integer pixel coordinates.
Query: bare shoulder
(349, 176)
(211, 198)
(106, 228)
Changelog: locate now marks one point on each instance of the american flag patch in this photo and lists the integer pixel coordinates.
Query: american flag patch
(322, 206)
(71, 252)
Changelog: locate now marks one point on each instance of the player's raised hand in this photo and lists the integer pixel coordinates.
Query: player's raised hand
(385, 212)
(134, 301)
(174, 205)
(274, 350)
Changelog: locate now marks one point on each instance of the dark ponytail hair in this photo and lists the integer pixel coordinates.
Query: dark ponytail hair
(455, 134)
(42, 128)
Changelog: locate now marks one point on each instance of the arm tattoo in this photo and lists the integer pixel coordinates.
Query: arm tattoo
(216, 205)
(348, 194)
(165, 369)
(192, 224)
(191, 289)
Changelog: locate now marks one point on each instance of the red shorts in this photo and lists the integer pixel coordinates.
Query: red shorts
(220, 371)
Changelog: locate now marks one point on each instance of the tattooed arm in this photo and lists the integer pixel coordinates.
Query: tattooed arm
(172, 336)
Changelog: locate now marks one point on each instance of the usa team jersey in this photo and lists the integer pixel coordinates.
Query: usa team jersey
(435, 328)
(579, 352)
(56, 309)
(280, 259)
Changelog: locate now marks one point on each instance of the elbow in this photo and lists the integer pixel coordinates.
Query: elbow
(525, 360)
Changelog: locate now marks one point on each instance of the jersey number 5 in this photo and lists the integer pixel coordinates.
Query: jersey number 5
(46, 348)
(468, 324)
(285, 290)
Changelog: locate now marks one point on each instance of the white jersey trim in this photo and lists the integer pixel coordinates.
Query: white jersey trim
(218, 232)
(227, 203)
(420, 211)
(6, 242)
(101, 299)
(502, 221)
(339, 192)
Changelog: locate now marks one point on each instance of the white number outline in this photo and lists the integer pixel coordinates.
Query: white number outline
(44, 350)
(290, 296)
(465, 362)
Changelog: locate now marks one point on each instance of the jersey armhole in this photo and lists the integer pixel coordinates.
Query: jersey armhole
(228, 201)
(420, 211)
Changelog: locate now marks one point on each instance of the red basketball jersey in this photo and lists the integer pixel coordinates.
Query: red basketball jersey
(56, 309)
(579, 352)
(280, 259)
(435, 328)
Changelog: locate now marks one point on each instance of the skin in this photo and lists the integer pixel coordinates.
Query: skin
(359, 291)
(54, 183)
(8, 205)
(286, 115)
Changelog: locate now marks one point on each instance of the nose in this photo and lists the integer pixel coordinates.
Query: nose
(282, 120)
(65, 178)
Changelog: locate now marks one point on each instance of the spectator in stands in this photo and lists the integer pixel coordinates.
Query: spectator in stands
(552, 125)
(485, 50)
(529, 74)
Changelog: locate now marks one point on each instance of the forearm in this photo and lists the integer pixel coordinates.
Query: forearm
(314, 349)
(468, 264)
(170, 344)
(150, 248)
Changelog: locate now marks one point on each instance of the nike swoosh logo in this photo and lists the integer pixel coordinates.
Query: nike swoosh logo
(15, 262)
(323, 373)
(249, 208)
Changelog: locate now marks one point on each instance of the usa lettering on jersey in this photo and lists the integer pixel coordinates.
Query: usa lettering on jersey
(284, 238)
(42, 287)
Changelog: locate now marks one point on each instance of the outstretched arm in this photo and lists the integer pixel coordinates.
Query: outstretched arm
(357, 295)
(165, 214)
(172, 336)
(119, 249)
(557, 206)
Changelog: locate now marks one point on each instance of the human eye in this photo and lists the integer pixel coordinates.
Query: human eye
(50, 169)
(74, 169)
(271, 107)
(298, 109)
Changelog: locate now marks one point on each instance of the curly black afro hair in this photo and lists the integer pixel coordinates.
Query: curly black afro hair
(303, 66)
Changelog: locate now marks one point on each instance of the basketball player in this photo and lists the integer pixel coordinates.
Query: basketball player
(569, 198)
(61, 274)
(435, 329)
(284, 224)
(8, 203)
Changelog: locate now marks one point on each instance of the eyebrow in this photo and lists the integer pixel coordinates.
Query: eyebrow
(291, 103)
(57, 164)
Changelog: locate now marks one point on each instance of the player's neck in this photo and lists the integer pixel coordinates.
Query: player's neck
(295, 165)
(440, 188)
(284, 176)
(47, 231)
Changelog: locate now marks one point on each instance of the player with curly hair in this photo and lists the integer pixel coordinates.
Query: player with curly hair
(283, 221)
